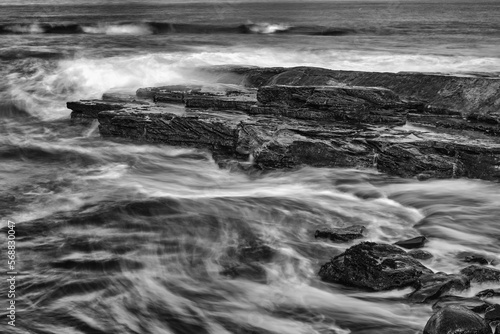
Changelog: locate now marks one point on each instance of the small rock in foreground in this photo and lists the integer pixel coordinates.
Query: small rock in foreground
(456, 320)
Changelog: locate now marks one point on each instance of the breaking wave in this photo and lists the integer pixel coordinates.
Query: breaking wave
(146, 28)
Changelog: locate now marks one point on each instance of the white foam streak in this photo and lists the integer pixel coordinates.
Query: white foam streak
(122, 29)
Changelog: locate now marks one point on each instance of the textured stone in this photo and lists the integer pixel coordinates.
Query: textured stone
(456, 320)
(480, 274)
(373, 266)
(342, 234)
(474, 304)
(432, 286)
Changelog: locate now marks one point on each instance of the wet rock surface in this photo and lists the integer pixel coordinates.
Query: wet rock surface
(480, 274)
(456, 320)
(373, 266)
(417, 242)
(492, 313)
(488, 293)
(343, 234)
(432, 286)
(287, 118)
(474, 304)
(420, 254)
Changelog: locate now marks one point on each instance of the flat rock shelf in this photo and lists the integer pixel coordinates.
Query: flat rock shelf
(403, 124)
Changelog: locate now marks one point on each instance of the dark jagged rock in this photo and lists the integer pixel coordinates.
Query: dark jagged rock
(480, 274)
(343, 234)
(373, 266)
(354, 104)
(456, 320)
(307, 135)
(442, 94)
(432, 286)
(417, 242)
(420, 254)
(474, 304)
(488, 293)
(492, 313)
(86, 111)
(242, 102)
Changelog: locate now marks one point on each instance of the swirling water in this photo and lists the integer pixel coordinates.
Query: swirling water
(119, 237)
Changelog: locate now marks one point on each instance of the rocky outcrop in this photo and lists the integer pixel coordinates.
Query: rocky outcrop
(420, 254)
(330, 124)
(343, 234)
(456, 320)
(352, 104)
(373, 266)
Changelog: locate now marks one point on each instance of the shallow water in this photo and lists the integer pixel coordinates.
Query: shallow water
(119, 237)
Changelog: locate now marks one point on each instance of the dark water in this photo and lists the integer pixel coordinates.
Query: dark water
(115, 237)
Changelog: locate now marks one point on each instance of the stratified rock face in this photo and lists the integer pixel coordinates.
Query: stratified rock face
(373, 266)
(353, 104)
(432, 286)
(441, 100)
(290, 126)
(456, 320)
(342, 234)
(442, 93)
(480, 274)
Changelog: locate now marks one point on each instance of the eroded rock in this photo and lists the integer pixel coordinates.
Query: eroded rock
(373, 266)
(420, 254)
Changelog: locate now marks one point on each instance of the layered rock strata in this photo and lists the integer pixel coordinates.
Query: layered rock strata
(286, 123)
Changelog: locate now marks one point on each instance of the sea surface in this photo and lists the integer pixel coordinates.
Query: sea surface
(118, 237)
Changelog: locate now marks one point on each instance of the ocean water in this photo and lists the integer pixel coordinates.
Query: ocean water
(117, 237)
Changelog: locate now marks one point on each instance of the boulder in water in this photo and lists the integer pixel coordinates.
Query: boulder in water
(456, 320)
(474, 304)
(432, 286)
(373, 266)
(480, 274)
(412, 243)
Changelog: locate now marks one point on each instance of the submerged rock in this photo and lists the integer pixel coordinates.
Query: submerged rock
(474, 304)
(412, 243)
(342, 234)
(488, 293)
(432, 286)
(480, 274)
(373, 266)
(456, 320)
(420, 254)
